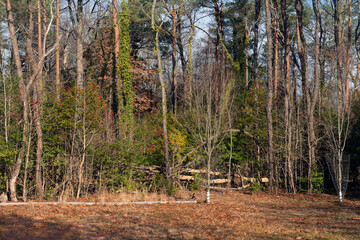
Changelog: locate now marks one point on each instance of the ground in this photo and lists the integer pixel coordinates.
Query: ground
(231, 215)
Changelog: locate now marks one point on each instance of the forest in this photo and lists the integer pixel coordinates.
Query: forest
(164, 95)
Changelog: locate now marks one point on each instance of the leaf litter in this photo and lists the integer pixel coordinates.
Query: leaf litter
(231, 215)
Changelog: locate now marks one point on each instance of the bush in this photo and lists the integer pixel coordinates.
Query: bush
(194, 185)
(160, 183)
(255, 187)
(317, 181)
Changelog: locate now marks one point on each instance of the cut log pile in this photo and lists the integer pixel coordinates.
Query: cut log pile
(217, 178)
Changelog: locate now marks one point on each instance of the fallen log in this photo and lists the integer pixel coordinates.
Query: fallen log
(186, 178)
(264, 180)
(251, 179)
(218, 181)
(202, 171)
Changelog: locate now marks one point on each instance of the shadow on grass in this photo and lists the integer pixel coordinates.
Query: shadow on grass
(17, 227)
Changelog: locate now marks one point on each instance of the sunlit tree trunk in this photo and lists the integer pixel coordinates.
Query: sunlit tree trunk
(38, 108)
(256, 38)
(23, 97)
(156, 30)
(57, 77)
(303, 55)
(190, 71)
(24, 93)
(287, 108)
(79, 45)
(246, 53)
(269, 95)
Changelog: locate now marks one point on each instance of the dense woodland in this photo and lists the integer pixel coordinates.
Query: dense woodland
(103, 95)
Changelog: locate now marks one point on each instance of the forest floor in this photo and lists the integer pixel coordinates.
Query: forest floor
(231, 215)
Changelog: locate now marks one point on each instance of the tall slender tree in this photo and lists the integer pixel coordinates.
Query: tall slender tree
(156, 29)
(256, 39)
(270, 90)
(287, 108)
(57, 76)
(24, 90)
(38, 99)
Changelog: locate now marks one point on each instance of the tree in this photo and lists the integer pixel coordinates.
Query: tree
(126, 96)
(269, 95)
(38, 98)
(338, 118)
(287, 115)
(77, 20)
(303, 55)
(57, 77)
(256, 37)
(156, 29)
(24, 93)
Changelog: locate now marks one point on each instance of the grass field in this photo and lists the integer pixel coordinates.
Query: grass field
(233, 215)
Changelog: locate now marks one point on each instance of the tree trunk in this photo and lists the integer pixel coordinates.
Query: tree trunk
(182, 58)
(276, 48)
(208, 129)
(79, 45)
(23, 97)
(156, 29)
(190, 70)
(315, 94)
(303, 55)
(246, 53)
(26, 167)
(116, 32)
(38, 110)
(223, 57)
(173, 58)
(231, 153)
(116, 82)
(288, 131)
(23, 90)
(217, 49)
(348, 49)
(256, 38)
(78, 27)
(57, 78)
(269, 95)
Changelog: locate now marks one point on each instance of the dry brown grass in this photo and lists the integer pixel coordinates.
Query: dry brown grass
(125, 196)
(232, 215)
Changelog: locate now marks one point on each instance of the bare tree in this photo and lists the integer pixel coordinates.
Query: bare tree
(337, 115)
(24, 92)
